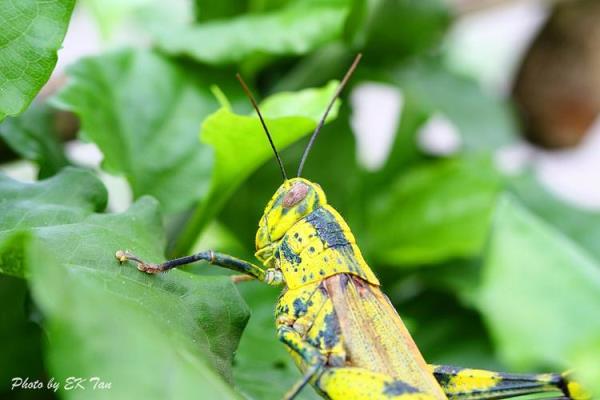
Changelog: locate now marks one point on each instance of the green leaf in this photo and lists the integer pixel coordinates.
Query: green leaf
(540, 292)
(239, 141)
(144, 114)
(580, 225)
(32, 32)
(206, 10)
(120, 22)
(294, 30)
(390, 29)
(240, 145)
(438, 319)
(588, 370)
(32, 136)
(20, 337)
(66, 198)
(164, 335)
(122, 342)
(434, 212)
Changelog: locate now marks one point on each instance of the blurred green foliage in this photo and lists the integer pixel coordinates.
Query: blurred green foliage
(33, 136)
(487, 270)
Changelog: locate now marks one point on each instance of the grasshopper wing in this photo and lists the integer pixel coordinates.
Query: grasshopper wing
(375, 337)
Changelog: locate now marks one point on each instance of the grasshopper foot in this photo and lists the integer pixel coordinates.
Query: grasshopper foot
(124, 256)
(241, 278)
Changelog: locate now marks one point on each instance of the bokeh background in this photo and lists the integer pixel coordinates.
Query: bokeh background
(463, 155)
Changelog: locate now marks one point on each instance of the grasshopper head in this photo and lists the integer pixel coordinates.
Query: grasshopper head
(293, 200)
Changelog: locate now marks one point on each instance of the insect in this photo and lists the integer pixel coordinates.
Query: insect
(342, 331)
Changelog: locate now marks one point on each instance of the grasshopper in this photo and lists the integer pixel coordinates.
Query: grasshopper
(342, 331)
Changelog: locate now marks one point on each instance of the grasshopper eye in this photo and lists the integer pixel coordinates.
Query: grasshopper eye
(296, 194)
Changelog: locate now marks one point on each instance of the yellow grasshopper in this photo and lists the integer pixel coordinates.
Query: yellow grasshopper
(342, 331)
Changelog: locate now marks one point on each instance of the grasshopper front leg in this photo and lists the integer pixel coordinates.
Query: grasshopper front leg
(311, 356)
(270, 276)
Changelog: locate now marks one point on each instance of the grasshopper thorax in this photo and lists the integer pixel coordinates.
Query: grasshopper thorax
(293, 200)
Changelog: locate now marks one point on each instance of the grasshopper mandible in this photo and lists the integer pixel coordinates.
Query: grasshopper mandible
(342, 331)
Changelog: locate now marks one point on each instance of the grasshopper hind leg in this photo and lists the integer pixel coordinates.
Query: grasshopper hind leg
(351, 383)
(477, 384)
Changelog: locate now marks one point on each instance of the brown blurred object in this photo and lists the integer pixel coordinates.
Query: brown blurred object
(462, 7)
(557, 89)
(66, 124)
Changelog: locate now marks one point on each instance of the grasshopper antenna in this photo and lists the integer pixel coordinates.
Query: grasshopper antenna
(262, 121)
(322, 121)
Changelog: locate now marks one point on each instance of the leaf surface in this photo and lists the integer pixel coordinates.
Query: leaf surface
(166, 335)
(144, 115)
(435, 212)
(540, 292)
(32, 32)
(293, 30)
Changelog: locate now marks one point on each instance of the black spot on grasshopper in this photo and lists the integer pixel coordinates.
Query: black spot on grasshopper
(444, 373)
(327, 228)
(300, 308)
(398, 387)
(331, 332)
(322, 288)
(314, 342)
(289, 254)
(283, 309)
